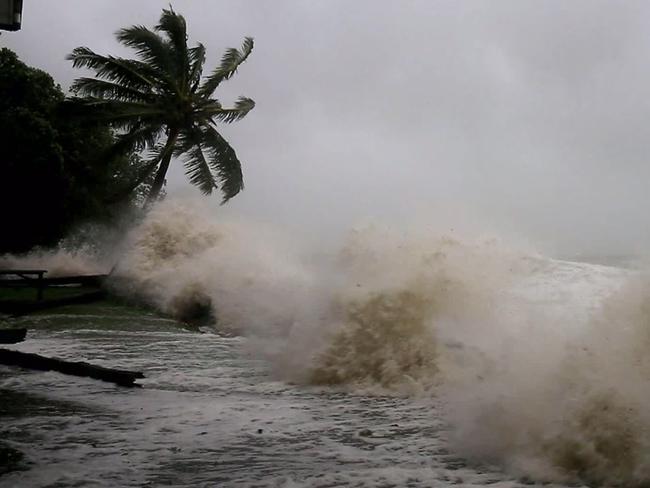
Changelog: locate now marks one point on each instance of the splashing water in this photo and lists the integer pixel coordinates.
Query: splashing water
(58, 262)
(386, 338)
(541, 365)
(372, 313)
(567, 399)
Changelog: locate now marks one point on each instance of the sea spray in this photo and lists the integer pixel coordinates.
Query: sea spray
(90, 248)
(180, 254)
(541, 365)
(386, 338)
(566, 401)
(380, 311)
(417, 300)
(62, 260)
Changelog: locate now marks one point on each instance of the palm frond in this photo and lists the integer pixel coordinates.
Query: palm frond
(175, 27)
(224, 162)
(228, 67)
(137, 139)
(242, 106)
(187, 137)
(152, 49)
(110, 110)
(197, 167)
(93, 87)
(204, 109)
(197, 60)
(126, 72)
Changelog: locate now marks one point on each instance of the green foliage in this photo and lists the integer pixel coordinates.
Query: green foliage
(54, 175)
(158, 102)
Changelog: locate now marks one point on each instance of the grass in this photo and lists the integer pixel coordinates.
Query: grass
(49, 293)
(21, 301)
(19, 308)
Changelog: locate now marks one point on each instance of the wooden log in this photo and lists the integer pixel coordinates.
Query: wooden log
(76, 368)
(12, 336)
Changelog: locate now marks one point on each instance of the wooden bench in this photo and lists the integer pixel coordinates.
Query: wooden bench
(25, 278)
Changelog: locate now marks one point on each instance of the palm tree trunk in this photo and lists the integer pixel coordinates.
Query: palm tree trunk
(162, 169)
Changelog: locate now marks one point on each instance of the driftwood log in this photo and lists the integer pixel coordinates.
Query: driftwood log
(75, 368)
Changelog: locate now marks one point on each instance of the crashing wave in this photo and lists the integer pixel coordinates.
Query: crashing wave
(542, 365)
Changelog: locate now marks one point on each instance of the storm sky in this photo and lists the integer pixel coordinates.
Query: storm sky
(526, 118)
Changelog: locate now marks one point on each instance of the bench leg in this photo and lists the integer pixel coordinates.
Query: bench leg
(39, 286)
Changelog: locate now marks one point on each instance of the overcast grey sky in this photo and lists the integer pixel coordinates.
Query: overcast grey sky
(531, 117)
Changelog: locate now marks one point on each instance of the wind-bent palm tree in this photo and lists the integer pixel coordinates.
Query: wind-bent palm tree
(159, 102)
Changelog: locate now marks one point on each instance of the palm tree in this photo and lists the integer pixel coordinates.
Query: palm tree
(160, 102)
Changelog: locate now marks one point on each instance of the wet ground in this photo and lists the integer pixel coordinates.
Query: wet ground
(207, 415)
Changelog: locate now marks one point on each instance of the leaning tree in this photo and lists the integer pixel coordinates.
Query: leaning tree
(160, 102)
